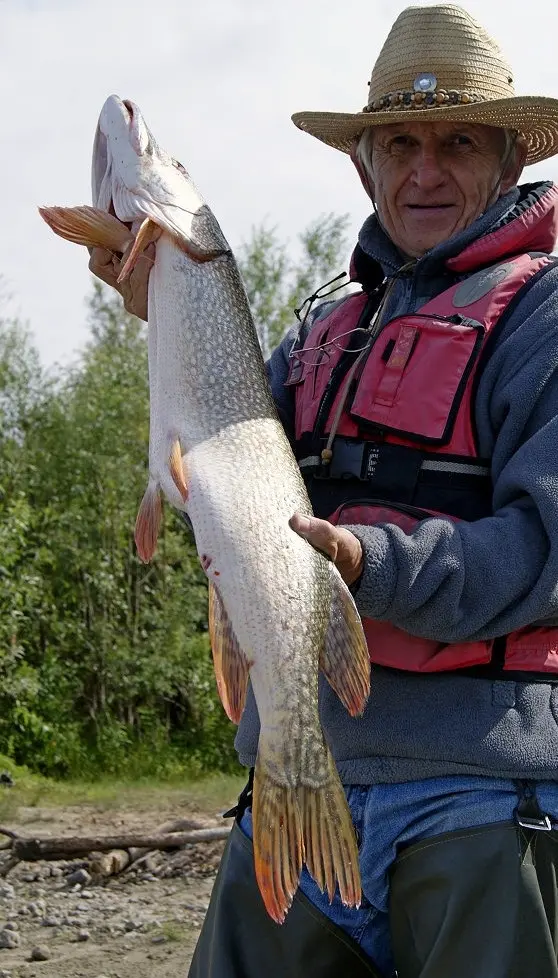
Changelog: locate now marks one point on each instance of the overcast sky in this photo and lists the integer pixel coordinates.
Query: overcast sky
(217, 81)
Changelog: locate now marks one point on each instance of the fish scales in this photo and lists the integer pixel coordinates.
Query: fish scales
(214, 378)
(279, 610)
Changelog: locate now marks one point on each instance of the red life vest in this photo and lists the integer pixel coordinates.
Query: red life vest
(404, 446)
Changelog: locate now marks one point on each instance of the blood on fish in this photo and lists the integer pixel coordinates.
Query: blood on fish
(205, 561)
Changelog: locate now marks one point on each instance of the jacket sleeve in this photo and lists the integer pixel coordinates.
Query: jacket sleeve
(454, 582)
(277, 368)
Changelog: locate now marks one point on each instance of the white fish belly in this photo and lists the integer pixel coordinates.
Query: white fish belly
(268, 577)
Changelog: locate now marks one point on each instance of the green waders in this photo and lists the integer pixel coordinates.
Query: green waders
(477, 903)
(239, 939)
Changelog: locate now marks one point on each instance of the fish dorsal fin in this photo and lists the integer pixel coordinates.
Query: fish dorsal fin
(230, 663)
(345, 661)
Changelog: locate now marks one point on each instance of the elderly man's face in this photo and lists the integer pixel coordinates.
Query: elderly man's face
(432, 179)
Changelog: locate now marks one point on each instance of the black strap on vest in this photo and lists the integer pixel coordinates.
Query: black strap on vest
(394, 471)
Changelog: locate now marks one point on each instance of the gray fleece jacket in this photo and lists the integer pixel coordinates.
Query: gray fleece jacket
(462, 581)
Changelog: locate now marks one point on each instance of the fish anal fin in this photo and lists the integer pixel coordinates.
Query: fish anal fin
(148, 231)
(230, 663)
(88, 226)
(345, 661)
(148, 522)
(278, 842)
(177, 470)
(296, 825)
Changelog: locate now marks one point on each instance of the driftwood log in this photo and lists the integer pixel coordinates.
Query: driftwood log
(112, 853)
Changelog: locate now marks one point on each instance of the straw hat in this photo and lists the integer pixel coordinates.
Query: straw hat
(439, 63)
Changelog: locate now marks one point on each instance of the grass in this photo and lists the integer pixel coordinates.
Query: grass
(210, 793)
(172, 931)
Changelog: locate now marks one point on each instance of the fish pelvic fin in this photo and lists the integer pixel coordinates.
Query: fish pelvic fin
(230, 663)
(147, 232)
(148, 522)
(296, 825)
(177, 470)
(88, 226)
(345, 660)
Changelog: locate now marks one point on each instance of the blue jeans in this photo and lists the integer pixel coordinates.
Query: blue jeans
(388, 817)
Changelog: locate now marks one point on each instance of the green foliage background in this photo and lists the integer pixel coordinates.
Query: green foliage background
(105, 664)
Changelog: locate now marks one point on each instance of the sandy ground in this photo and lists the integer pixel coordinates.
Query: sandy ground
(131, 926)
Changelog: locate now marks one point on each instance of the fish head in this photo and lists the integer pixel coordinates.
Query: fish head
(135, 178)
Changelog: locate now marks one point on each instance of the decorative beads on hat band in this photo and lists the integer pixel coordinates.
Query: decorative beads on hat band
(422, 100)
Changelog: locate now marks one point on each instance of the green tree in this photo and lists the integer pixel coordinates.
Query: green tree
(277, 282)
(23, 390)
(127, 643)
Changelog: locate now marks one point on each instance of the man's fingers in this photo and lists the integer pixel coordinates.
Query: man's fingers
(102, 263)
(336, 542)
(321, 534)
(107, 266)
(135, 288)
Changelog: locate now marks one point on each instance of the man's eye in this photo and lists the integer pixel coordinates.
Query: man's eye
(399, 141)
(461, 140)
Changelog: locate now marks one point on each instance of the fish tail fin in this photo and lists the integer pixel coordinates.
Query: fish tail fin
(330, 844)
(88, 226)
(292, 825)
(345, 659)
(148, 522)
(147, 232)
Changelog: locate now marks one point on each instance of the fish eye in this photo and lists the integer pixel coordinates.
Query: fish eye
(179, 166)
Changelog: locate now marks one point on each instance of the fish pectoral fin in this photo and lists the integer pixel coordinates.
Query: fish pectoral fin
(148, 522)
(296, 825)
(229, 661)
(148, 232)
(178, 470)
(88, 226)
(344, 660)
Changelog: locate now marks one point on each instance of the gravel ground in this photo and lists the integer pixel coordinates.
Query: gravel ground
(59, 921)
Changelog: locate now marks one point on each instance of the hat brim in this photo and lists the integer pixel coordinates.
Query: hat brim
(535, 117)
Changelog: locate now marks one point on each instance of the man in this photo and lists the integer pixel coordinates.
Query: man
(423, 411)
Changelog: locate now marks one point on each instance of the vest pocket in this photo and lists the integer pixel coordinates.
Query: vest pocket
(415, 377)
(388, 645)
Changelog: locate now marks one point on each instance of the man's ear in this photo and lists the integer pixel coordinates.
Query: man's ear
(365, 179)
(515, 166)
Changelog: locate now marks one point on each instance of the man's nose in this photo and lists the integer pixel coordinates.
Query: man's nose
(428, 171)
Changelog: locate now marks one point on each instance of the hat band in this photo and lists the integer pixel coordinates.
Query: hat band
(422, 100)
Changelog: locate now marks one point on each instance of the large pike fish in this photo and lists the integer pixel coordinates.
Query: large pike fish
(279, 610)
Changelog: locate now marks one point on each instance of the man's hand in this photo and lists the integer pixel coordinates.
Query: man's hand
(338, 543)
(133, 290)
